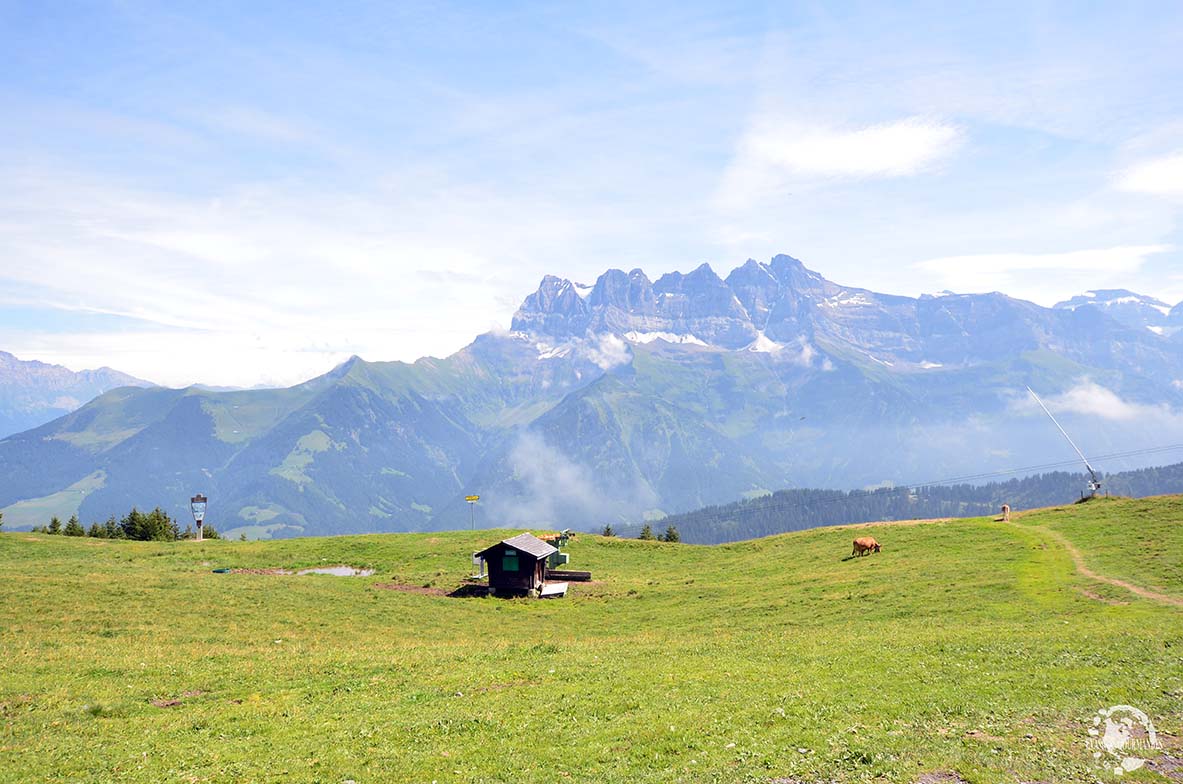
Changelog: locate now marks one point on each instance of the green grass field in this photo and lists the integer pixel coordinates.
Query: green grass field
(970, 647)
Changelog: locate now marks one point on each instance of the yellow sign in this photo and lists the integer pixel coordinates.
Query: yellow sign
(472, 498)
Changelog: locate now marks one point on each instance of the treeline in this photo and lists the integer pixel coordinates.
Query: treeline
(799, 509)
(154, 526)
(670, 535)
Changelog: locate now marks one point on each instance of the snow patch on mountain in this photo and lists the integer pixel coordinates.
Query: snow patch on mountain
(668, 337)
(763, 344)
(547, 351)
(847, 300)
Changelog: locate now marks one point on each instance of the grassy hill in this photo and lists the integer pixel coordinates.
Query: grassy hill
(970, 647)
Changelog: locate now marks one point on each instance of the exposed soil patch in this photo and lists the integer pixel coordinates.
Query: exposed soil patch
(429, 591)
(1168, 765)
(163, 703)
(940, 777)
(1098, 597)
(878, 523)
(259, 571)
(979, 735)
(469, 591)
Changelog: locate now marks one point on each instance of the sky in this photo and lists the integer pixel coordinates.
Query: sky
(249, 193)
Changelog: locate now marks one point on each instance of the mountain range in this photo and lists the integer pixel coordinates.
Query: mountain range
(33, 393)
(630, 399)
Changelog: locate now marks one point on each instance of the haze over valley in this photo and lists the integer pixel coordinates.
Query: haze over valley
(629, 399)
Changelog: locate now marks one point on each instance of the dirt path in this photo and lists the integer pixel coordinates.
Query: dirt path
(1078, 559)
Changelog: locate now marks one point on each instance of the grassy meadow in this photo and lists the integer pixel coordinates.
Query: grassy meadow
(970, 647)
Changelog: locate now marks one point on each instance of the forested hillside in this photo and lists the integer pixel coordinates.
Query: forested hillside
(798, 509)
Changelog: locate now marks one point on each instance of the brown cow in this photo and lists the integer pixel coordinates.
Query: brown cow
(864, 545)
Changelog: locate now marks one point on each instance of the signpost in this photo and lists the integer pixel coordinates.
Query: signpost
(472, 499)
(197, 506)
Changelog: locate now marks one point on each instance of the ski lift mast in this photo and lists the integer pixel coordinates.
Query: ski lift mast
(1094, 482)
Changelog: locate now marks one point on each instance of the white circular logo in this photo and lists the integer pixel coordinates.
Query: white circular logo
(1117, 734)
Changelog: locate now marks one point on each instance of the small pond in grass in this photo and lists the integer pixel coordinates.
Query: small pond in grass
(338, 571)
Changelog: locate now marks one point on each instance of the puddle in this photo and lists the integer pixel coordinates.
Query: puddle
(338, 571)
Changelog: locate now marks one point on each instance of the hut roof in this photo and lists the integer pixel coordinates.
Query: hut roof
(527, 543)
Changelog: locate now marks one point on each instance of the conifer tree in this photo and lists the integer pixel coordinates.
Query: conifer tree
(647, 533)
(96, 531)
(55, 526)
(608, 530)
(671, 535)
(132, 525)
(74, 528)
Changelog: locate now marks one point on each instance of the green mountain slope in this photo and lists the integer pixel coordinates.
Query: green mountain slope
(618, 402)
(968, 648)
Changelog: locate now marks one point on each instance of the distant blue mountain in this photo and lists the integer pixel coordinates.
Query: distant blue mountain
(33, 393)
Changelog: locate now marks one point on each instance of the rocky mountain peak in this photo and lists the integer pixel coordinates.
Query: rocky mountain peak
(1127, 307)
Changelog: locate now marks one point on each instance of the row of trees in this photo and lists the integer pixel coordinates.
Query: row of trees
(154, 526)
(801, 508)
(671, 533)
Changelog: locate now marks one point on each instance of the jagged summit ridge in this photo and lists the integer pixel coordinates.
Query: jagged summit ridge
(758, 306)
(762, 306)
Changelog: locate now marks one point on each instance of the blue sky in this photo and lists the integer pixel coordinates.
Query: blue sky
(242, 193)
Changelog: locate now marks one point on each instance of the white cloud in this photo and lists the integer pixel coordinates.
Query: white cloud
(266, 283)
(1161, 176)
(1041, 277)
(774, 154)
(608, 351)
(887, 150)
(1125, 259)
(1088, 398)
(1093, 399)
(550, 485)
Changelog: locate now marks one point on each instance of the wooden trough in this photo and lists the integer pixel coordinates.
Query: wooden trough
(567, 574)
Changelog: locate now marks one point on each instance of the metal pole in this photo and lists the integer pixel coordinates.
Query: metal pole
(472, 515)
(1095, 484)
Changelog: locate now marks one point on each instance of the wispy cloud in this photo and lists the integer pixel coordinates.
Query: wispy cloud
(1088, 398)
(1026, 275)
(894, 149)
(1162, 176)
(775, 153)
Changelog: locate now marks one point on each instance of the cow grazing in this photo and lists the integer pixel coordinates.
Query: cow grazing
(864, 545)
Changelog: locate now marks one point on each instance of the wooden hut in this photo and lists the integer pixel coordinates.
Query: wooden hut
(517, 565)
